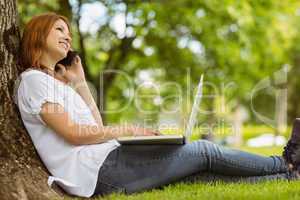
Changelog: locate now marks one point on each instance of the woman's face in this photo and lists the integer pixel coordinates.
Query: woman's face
(58, 40)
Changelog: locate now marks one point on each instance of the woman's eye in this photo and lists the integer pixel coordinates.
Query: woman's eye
(60, 29)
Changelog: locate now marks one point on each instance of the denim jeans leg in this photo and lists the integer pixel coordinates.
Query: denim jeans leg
(134, 168)
(227, 161)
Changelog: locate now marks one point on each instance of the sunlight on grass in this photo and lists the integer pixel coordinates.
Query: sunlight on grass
(268, 151)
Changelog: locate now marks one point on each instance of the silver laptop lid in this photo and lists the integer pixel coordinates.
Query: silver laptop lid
(194, 112)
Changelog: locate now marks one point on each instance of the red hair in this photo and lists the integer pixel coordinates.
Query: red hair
(34, 38)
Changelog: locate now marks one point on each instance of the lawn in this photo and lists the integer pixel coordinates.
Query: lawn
(267, 190)
(264, 190)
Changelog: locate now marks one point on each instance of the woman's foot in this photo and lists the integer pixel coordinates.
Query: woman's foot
(293, 175)
(291, 151)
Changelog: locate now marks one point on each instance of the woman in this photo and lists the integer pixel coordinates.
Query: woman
(83, 156)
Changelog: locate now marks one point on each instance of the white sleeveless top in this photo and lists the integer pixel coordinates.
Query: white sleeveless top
(74, 168)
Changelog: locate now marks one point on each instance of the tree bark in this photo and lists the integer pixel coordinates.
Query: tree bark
(65, 9)
(22, 174)
(82, 49)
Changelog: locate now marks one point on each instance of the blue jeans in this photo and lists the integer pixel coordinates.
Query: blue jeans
(135, 168)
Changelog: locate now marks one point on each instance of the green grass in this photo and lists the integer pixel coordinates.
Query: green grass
(268, 151)
(267, 190)
(280, 190)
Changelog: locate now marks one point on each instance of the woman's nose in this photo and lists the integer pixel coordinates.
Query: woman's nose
(68, 39)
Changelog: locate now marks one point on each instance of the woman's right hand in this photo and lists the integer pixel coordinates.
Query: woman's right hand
(140, 131)
(73, 74)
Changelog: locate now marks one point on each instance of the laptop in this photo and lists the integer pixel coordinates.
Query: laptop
(169, 139)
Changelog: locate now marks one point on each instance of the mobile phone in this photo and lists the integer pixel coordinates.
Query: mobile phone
(67, 61)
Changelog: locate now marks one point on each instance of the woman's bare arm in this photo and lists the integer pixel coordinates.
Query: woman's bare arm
(78, 134)
(83, 90)
(76, 78)
(59, 120)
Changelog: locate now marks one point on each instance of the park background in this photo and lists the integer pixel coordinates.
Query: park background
(143, 61)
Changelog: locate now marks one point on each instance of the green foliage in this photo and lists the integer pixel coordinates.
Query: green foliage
(235, 43)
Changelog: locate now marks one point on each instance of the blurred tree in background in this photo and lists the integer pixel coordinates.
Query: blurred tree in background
(142, 49)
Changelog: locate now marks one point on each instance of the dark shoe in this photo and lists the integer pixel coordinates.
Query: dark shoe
(291, 151)
(292, 175)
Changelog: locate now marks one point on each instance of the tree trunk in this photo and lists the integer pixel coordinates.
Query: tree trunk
(65, 9)
(22, 174)
(82, 49)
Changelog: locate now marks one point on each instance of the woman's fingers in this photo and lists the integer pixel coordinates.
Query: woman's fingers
(154, 132)
(158, 133)
(67, 74)
(139, 131)
(62, 69)
(78, 59)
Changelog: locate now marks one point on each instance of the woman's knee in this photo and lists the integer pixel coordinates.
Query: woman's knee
(207, 147)
(204, 142)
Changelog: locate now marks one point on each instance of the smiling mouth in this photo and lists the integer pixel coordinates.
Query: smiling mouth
(64, 45)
